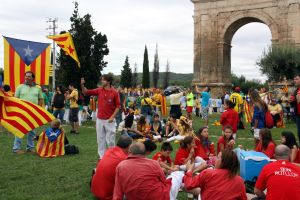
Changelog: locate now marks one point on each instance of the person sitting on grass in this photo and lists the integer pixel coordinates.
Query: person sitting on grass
(184, 130)
(280, 178)
(289, 139)
(156, 127)
(186, 152)
(226, 141)
(266, 145)
(140, 178)
(164, 159)
(220, 183)
(204, 147)
(103, 181)
(172, 126)
(229, 117)
(128, 126)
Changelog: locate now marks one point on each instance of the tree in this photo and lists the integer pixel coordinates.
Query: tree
(245, 85)
(280, 61)
(135, 76)
(91, 48)
(156, 69)
(126, 75)
(167, 75)
(146, 74)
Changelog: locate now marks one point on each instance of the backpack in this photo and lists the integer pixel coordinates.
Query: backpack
(269, 120)
(71, 149)
(59, 101)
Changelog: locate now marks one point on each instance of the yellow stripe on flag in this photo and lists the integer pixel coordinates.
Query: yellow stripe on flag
(17, 70)
(47, 67)
(38, 70)
(6, 62)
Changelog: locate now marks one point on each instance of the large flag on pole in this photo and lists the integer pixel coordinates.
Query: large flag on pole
(65, 42)
(21, 56)
(19, 116)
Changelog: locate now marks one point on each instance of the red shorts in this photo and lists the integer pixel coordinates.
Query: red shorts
(189, 109)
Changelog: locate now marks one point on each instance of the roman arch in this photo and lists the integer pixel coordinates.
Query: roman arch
(215, 23)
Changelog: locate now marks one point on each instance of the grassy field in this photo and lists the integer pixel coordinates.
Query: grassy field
(31, 177)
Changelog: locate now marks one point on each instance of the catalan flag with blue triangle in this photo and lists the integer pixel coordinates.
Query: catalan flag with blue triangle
(21, 56)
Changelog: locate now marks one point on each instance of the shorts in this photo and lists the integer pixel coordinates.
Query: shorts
(189, 109)
(204, 112)
(73, 117)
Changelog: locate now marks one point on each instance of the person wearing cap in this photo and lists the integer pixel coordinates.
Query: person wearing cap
(275, 110)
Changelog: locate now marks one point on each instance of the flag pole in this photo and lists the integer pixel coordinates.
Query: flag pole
(53, 27)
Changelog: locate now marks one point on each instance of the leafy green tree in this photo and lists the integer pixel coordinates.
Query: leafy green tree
(167, 75)
(280, 61)
(91, 47)
(156, 69)
(146, 74)
(126, 75)
(245, 85)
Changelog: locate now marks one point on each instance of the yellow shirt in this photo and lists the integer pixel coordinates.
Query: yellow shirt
(149, 101)
(74, 99)
(275, 108)
(238, 100)
(156, 99)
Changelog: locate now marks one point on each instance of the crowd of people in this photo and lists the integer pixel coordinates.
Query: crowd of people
(124, 171)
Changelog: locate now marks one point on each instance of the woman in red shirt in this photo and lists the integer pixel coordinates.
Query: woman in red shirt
(220, 183)
(226, 141)
(266, 145)
(204, 147)
(186, 151)
(229, 117)
(289, 139)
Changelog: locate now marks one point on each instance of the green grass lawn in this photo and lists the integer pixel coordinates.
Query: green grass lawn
(31, 177)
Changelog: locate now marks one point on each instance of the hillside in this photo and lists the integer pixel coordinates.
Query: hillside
(175, 79)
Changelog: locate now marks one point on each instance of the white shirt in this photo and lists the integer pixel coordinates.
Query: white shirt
(175, 98)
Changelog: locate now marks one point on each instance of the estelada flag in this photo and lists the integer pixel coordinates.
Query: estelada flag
(19, 116)
(65, 42)
(51, 143)
(21, 56)
(164, 110)
(248, 110)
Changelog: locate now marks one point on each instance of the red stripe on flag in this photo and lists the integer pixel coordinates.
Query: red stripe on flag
(54, 148)
(24, 118)
(16, 125)
(61, 143)
(60, 39)
(33, 66)
(47, 147)
(20, 106)
(40, 111)
(41, 144)
(12, 68)
(43, 67)
(22, 71)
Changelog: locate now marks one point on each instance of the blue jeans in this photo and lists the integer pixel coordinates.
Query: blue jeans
(119, 117)
(59, 113)
(30, 142)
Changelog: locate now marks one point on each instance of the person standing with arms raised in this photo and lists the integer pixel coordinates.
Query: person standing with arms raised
(108, 107)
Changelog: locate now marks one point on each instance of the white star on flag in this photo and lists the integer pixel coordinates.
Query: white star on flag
(28, 51)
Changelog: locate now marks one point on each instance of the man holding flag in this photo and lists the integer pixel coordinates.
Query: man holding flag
(31, 92)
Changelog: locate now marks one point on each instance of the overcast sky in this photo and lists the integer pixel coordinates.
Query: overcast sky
(129, 26)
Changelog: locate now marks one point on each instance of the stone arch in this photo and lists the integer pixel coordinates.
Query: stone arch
(235, 22)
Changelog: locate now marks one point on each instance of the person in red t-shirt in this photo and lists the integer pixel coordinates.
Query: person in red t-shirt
(108, 107)
(220, 183)
(103, 181)
(186, 152)
(164, 159)
(266, 145)
(281, 178)
(204, 147)
(295, 102)
(140, 178)
(226, 141)
(289, 139)
(229, 117)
